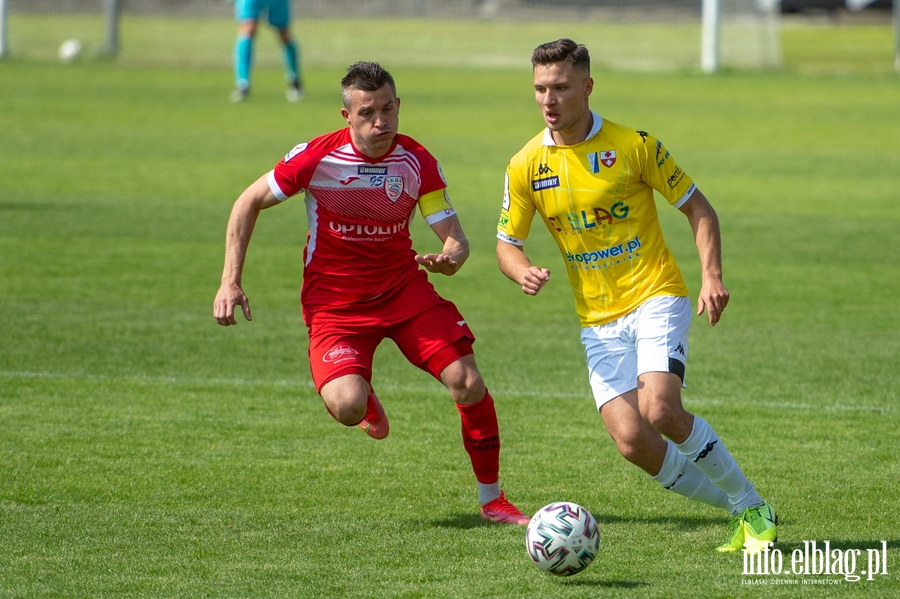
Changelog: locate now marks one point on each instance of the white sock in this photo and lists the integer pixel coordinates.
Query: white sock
(488, 493)
(704, 448)
(683, 477)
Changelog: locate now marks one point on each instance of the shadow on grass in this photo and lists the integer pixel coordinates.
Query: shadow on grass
(461, 521)
(608, 584)
(473, 520)
(681, 522)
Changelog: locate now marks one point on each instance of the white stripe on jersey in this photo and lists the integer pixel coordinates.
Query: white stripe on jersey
(313, 220)
(273, 185)
(406, 157)
(687, 195)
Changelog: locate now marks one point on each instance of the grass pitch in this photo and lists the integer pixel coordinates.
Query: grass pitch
(148, 452)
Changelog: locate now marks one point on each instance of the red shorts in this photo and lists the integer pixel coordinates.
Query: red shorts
(428, 330)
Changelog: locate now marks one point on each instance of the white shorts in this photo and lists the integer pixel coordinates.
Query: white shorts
(651, 338)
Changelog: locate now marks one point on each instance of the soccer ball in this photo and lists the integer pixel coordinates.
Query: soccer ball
(562, 538)
(69, 50)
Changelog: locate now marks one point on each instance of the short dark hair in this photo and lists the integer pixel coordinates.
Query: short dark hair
(562, 50)
(367, 77)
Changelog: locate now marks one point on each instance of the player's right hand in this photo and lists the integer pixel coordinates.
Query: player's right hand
(534, 280)
(227, 298)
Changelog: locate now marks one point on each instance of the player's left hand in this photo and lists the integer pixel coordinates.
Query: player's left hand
(438, 263)
(230, 296)
(713, 299)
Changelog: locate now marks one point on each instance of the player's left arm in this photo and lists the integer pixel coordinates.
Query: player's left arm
(705, 224)
(454, 252)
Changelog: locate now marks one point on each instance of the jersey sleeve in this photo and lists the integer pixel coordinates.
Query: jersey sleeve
(517, 212)
(287, 178)
(660, 171)
(293, 173)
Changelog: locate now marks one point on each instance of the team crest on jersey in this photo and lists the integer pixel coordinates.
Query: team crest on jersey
(297, 149)
(393, 187)
(608, 158)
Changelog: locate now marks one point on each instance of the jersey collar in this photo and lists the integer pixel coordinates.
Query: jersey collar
(595, 129)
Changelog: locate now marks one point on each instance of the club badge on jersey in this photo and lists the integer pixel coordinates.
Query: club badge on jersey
(608, 158)
(393, 187)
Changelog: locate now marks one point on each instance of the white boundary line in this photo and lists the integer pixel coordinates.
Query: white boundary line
(307, 384)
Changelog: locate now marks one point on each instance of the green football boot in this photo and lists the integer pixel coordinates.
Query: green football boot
(760, 527)
(735, 535)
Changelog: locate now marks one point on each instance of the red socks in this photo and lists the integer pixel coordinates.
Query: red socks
(481, 438)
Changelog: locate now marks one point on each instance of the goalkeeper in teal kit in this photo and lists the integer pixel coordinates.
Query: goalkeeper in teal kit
(278, 14)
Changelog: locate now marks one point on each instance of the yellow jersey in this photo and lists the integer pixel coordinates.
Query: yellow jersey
(596, 198)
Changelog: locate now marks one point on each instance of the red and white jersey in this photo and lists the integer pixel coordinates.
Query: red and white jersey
(359, 210)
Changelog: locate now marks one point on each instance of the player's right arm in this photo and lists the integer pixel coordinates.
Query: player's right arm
(243, 217)
(515, 223)
(518, 267)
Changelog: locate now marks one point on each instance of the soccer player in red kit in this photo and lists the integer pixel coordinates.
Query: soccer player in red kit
(361, 278)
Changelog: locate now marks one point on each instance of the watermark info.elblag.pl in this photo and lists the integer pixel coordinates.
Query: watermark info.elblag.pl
(814, 562)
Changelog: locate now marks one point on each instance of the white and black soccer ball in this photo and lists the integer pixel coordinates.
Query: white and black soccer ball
(69, 50)
(562, 538)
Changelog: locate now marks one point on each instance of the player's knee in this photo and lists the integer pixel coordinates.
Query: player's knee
(472, 393)
(347, 412)
(672, 421)
(345, 399)
(631, 448)
(645, 456)
(658, 415)
(464, 383)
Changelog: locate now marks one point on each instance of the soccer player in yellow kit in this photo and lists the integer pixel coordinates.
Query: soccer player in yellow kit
(592, 182)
